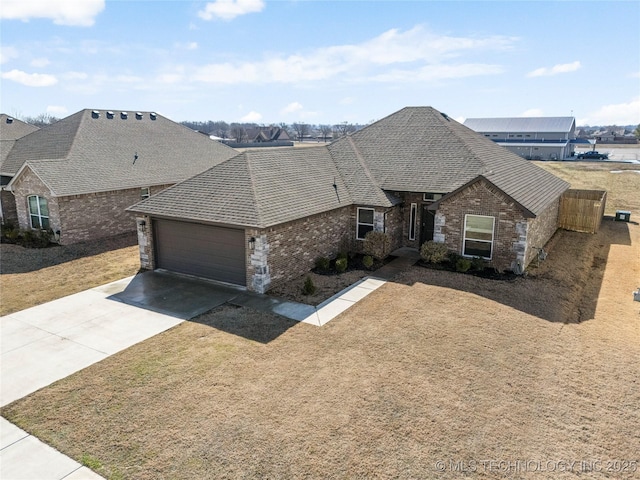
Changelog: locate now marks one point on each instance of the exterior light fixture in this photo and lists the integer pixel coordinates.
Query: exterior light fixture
(252, 243)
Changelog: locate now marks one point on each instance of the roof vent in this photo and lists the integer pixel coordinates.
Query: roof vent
(153, 115)
(138, 116)
(9, 120)
(95, 114)
(109, 114)
(124, 115)
(446, 117)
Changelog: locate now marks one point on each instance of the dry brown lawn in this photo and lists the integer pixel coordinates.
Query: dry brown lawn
(541, 373)
(31, 276)
(622, 187)
(435, 366)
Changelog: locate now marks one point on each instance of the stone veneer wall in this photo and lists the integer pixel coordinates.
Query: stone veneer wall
(541, 229)
(81, 217)
(9, 212)
(481, 198)
(289, 250)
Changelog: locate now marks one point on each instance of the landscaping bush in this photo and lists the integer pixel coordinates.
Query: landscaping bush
(453, 258)
(463, 265)
(342, 254)
(367, 261)
(322, 263)
(433, 252)
(309, 287)
(341, 265)
(478, 264)
(377, 244)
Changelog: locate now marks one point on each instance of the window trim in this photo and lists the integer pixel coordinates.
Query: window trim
(39, 214)
(413, 217)
(490, 242)
(358, 222)
(144, 195)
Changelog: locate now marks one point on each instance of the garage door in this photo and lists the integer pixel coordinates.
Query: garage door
(211, 252)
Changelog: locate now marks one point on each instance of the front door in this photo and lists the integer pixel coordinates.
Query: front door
(427, 221)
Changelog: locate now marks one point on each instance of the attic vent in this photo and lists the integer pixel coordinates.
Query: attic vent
(124, 115)
(446, 117)
(95, 114)
(109, 114)
(9, 120)
(152, 115)
(138, 116)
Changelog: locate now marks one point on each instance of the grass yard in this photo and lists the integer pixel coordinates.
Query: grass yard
(622, 186)
(31, 276)
(541, 373)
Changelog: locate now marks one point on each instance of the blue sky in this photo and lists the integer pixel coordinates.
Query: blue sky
(322, 61)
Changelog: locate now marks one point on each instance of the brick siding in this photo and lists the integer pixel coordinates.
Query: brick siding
(80, 217)
(9, 212)
(541, 229)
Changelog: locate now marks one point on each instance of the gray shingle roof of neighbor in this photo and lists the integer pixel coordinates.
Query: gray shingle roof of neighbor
(417, 149)
(11, 129)
(94, 151)
(256, 189)
(521, 124)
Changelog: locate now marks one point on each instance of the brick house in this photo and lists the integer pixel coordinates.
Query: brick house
(78, 176)
(262, 218)
(11, 129)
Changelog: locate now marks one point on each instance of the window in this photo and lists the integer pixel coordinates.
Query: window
(365, 222)
(412, 222)
(144, 193)
(39, 212)
(431, 197)
(478, 236)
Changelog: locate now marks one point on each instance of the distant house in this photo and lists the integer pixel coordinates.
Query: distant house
(78, 175)
(11, 129)
(262, 217)
(267, 134)
(533, 138)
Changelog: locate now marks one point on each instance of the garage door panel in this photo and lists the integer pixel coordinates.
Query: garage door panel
(202, 250)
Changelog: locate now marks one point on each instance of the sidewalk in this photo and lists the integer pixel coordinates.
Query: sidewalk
(49, 342)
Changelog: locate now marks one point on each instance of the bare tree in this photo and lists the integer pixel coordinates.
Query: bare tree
(325, 130)
(301, 129)
(344, 128)
(238, 132)
(41, 120)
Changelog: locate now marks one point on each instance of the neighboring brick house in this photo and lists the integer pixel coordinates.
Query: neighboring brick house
(11, 129)
(78, 176)
(263, 217)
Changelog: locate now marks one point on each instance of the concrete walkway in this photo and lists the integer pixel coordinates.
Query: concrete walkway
(49, 342)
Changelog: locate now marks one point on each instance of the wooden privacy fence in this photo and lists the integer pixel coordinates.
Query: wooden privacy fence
(582, 210)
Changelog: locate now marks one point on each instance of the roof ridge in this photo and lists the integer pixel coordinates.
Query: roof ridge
(252, 183)
(464, 140)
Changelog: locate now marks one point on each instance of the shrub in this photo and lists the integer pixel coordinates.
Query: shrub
(433, 252)
(341, 265)
(453, 257)
(342, 254)
(478, 264)
(463, 265)
(367, 261)
(322, 263)
(36, 238)
(309, 287)
(377, 244)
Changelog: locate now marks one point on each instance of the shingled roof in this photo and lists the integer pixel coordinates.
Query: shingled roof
(256, 189)
(11, 129)
(417, 149)
(94, 151)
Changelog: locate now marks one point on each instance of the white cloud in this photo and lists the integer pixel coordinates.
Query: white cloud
(192, 46)
(422, 54)
(251, 117)
(230, 9)
(30, 79)
(555, 70)
(615, 114)
(75, 76)
(39, 62)
(292, 107)
(170, 78)
(460, 119)
(57, 110)
(63, 12)
(532, 112)
(7, 53)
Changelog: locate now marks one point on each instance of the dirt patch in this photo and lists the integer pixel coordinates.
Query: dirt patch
(460, 371)
(32, 276)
